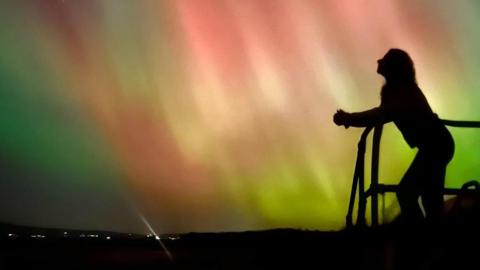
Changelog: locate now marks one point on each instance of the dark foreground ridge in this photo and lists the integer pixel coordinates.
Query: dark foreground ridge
(381, 248)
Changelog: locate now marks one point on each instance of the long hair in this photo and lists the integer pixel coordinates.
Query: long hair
(399, 68)
(399, 71)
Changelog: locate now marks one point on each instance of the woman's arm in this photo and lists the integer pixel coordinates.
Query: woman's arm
(367, 118)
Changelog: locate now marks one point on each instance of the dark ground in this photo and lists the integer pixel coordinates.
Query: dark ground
(454, 245)
(383, 248)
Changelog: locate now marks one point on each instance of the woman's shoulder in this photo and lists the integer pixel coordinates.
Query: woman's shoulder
(403, 98)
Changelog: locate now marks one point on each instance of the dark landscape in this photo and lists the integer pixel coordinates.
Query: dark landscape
(383, 248)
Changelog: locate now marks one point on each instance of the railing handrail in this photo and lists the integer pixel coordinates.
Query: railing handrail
(460, 123)
(358, 177)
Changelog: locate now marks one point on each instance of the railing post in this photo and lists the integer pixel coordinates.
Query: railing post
(377, 134)
(351, 205)
(362, 198)
(357, 178)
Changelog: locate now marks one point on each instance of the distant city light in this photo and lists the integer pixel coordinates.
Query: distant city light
(157, 237)
(108, 237)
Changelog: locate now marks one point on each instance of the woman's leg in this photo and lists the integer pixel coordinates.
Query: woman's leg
(432, 197)
(409, 190)
(434, 180)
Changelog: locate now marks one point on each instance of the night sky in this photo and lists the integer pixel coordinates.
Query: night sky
(214, 115)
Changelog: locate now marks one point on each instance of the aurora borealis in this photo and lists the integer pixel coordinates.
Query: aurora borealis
(214, 115)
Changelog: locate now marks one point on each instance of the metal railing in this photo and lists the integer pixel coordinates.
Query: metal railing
(377, 188)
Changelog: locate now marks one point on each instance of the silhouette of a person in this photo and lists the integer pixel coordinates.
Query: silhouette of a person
(403, 102)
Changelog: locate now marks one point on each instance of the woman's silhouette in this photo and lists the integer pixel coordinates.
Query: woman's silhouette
(403, 102)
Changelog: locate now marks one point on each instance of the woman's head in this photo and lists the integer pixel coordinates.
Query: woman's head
(397, 67)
